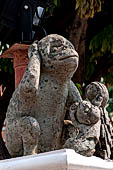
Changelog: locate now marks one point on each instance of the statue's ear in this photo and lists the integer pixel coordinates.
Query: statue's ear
(33, 50)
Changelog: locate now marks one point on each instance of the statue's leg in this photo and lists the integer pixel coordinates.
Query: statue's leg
(82, 146)
(30, 135)
(13, 139)
(22, 136)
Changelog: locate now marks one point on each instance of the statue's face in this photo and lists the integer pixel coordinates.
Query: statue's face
(57, 54)
(87, 113)
(97, 93)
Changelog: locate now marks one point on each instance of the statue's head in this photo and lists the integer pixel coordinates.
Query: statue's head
(57, 55)
(85, 113)
(97, 93)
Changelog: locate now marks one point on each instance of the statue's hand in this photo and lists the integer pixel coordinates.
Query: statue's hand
(33, 50)
(72, 112)
(30, 81)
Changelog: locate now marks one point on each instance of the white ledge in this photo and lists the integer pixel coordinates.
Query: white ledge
(64, 159)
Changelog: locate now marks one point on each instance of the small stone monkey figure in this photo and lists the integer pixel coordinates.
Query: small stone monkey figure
(85, 118)
(98, 95)
(92, 134)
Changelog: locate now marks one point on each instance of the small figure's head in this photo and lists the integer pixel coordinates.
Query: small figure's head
(86, 113)
(97, 94)
(57, 55)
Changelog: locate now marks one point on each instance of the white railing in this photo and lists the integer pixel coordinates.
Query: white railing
(65, 159)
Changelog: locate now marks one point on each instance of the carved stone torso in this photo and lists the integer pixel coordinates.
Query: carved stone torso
(51, 104)
(48, 108)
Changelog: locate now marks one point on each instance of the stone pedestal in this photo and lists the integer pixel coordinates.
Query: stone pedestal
(18, 52)
(65, 159)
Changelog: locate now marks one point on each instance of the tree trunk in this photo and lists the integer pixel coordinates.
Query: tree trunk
(77, 35)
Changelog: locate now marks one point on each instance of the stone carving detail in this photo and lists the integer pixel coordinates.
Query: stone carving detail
(86, 120)
(92, 124)
(98, 95)
(37, 110)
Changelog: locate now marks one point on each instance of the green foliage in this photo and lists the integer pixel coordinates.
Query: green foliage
(51, 6)
(108, 78)
(88, 8)
(110, 102)
(102, 43)
(101, 48)
(79, 87)
(6, 65)
(57, 3)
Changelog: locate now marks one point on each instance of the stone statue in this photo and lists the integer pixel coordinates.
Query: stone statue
(38, 107)
(91, 129)
(86, 132)
(36, 112)
(98, 95)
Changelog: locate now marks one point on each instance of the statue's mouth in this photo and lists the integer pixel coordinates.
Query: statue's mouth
(66, 57)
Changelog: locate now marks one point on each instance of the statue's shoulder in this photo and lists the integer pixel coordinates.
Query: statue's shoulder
(73, 91)
(71, 85)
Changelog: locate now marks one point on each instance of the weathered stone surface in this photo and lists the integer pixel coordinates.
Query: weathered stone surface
(93, 129)
(97, 93)
(36, 112)
(86, 120)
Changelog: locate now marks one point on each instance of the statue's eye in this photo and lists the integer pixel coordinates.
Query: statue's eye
(98, 97)
(73, 107)
(54, 49)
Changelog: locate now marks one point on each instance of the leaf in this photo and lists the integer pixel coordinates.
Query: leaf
(79, 87)
(88, 8)
(103, 41)
(77, 4)
(55, 2)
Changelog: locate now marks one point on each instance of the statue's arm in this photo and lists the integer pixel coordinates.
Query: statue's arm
(30, 81)
(73, 94)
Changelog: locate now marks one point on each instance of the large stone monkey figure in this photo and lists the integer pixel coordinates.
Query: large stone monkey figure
(36, 112)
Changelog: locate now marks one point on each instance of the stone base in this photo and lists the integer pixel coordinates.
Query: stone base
(65, 159)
